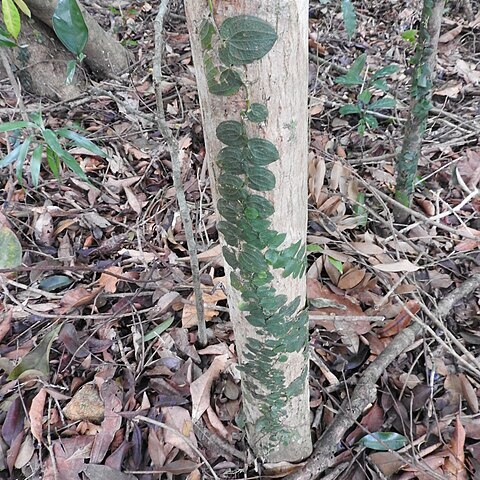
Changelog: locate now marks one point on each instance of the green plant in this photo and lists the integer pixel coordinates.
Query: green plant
(366, 103)
(32, 139)
(68, 24)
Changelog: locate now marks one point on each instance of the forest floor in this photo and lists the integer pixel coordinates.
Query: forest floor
(103, 308)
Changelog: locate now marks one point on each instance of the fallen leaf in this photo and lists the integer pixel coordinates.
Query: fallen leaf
(200, 388)
(455, 462)
(109, 282)
(189, 314)
(36, 414)
(179, 419)
(401, 321)
(86, 404)
(450, 35)
(351, 279)
(401, 266)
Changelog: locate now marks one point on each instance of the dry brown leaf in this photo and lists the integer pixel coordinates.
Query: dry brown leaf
(401, 321)
(450, 35)
(388, 463)
(467, 71)
(469, 392)
(189, 314)
(5, 323)
(25, 452)
(179, 419)
(316, 177)
(200, 388)
(400, 266)
(218, 425)
(77, 297)
(36, 414)
(351, 279)
(109, 282)
(451, 90)
(133, 200)
(366, 248)
(280, 469)
(455, 463)
(213, 254)
(44, 229)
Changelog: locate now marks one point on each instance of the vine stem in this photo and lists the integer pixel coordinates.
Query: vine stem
(174, 150)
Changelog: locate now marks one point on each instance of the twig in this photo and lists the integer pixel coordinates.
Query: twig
(173, 147)
(366, 391)
(176, 432)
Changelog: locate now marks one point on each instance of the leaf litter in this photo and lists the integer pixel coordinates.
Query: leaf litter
(100, 326)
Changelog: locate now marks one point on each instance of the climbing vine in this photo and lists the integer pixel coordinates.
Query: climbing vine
(253, 248)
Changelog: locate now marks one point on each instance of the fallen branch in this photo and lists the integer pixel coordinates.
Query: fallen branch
(366, 391)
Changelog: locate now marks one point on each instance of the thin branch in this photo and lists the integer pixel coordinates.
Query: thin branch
(174, 150)
(366, 391)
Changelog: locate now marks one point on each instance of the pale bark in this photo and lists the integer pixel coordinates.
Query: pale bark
(279, 81)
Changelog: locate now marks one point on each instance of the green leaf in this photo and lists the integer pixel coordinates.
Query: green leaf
(68, 159)
(11, 17)
(37, 119)
(336, 263)
(380, 84)
(81, 141)
(385, 72)
(232, 133)
(353, 76)
(260, 152)
(207, 31)
(383, 441)
(349, 17)
(227, 180)
(313, 248)
(229, 83)
(11, 157)
(36, 362)
(371, 121)
(261, 204)
(35, 163)
(261, 179)
(257, 113)
(22, 154)
(158, 330)
(361, 127)
(365, 96)
(5, 40)
(350, 109)
(382, 104)
(55, 282)
(410, 35)
(53, 161)
(251, 259)
(10, 249)
(71, 69)
(23, 7)
(230, 211)
(69, 25)
(8, 126)
(230, 257)
(247, 38)
(230, 160)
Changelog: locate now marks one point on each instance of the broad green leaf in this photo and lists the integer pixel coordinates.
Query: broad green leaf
(336, 263)
(229, 83)
(69, 25)
(71, 69)
(257, 113)
(410, 35)
(259, 151)
(353, 76)
(251, 259)
(371, 121)
(365, 96)
(8, 126)
(207, 31)
(362, 125)
(383, 441)
(385, 72)
(247, 38)
(5, 40)
(158, 330)
(22, 154)
(11, 157)
(23, 7)
(11, 17)
(380, 84)
(230, 257)
(349, 17)
(55, 282)
(313, 248)
(36, 362)
(37, 119)
(350, 110)
(81, 141)
(10, 249)
(230, 160)
(227, 180)
(382, 104)
(261, 204)
(232, 133)
(261, 179)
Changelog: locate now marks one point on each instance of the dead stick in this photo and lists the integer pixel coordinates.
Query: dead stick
(366, 391)
(173, 147)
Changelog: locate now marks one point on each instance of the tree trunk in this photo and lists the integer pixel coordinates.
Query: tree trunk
(266, 269)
